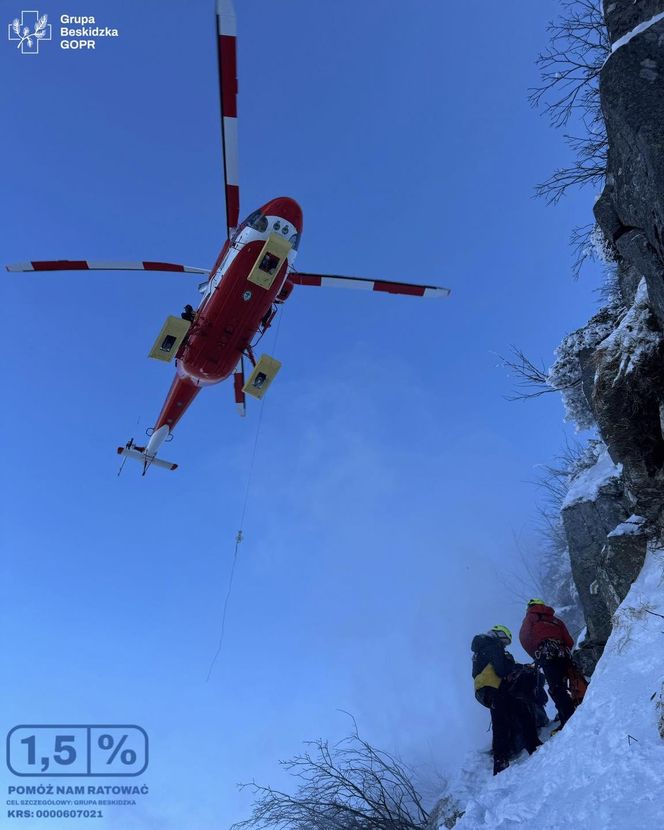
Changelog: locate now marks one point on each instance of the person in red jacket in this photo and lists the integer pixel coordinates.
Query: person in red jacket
(548, 641)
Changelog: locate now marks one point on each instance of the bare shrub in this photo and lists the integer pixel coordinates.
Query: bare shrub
(349, 785)
(530, 380)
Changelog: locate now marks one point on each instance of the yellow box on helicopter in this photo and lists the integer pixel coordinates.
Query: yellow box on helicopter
(170, 339)
(264, 373)
(269, 261)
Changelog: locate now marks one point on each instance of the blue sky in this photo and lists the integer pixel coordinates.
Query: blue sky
(392, 478)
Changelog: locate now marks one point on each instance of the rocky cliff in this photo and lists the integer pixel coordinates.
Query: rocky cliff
(611, 372)
(604, 769)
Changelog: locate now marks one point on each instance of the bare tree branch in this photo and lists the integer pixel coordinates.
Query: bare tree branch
(528, 376)
(581, 240)
(530, 380)
(569, 71)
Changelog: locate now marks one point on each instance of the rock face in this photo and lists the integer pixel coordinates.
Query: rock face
(626, 397)
(619, 358)
(630, 210)
(595, 506)
(628, 405)
(622, 559)
(622, 16)
(607, 548)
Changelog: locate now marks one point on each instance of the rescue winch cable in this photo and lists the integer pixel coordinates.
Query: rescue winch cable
(238, 539)
(240, 534)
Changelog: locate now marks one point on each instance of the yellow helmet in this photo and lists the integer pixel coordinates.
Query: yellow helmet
(536, 601)
(504, 630)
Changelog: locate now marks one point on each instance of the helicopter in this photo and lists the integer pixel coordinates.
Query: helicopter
(252, 276)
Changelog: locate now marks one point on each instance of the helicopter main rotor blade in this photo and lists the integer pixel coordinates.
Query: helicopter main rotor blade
(86, 265)
(227, 63)
(387, 286)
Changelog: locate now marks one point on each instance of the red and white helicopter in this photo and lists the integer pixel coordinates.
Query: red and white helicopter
(252, 275)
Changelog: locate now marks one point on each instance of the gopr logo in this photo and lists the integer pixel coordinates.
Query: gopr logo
(29, 31)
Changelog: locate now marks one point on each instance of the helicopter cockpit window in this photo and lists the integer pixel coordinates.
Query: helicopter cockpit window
(256, 220)
(295, 241)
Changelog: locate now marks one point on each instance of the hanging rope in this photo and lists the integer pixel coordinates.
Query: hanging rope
(238, 539)
(240, 533)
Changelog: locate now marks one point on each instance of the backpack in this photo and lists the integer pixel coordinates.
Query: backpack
(488, 655)
(577, 682)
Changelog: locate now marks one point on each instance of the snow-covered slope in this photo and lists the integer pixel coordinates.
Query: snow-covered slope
(605, 770)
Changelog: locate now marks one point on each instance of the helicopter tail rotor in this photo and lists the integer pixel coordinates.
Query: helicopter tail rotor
(147, 456)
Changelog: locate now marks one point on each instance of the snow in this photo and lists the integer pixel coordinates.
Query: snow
(600, 248)
(606, 768)
(636, 31)
(565, 374)
(586, 486)
(633, 341)
(631, 527)
(581, 636)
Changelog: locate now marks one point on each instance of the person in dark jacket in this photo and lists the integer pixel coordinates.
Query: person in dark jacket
(548, 641)
(526, 683)
(188, 313)
(494, 669)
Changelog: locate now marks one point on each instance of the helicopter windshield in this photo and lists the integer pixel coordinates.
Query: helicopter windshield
(256, 220)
